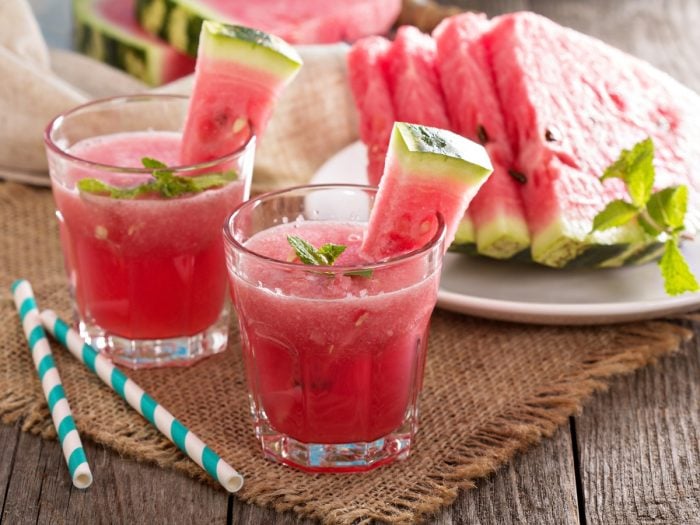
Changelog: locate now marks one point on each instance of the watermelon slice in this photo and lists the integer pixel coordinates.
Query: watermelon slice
(367, 75)
(413, 79)
(427, 170)
(107, 31)
(239, 76)
(300, 22)
(570, 114)
(497, 212)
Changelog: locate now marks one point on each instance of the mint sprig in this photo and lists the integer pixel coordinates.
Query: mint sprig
(323, 256)
(164, 183)
(658, 213)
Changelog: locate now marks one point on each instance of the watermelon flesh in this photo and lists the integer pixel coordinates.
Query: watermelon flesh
(240, 74)
(427, 171)
(368, 82)
(107, 31)
(391, 82)
(569, 115)
(413, 79)
(497, 213)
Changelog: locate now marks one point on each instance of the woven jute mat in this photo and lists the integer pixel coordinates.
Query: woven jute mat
(491, 389)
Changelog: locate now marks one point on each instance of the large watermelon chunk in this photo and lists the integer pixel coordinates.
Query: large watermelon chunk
(368, 82)
(497, 212)
(299, 22)
(107, 31)
(427, 170)
(239, 76)
(413, 79)
(571, 104)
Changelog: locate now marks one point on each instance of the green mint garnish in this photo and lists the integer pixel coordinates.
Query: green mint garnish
(323, 256)
(661, 212)
(366, 273)
(164, 183)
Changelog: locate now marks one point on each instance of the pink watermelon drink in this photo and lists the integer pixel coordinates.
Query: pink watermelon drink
(333, 354)
(142, 245)
(334, 287)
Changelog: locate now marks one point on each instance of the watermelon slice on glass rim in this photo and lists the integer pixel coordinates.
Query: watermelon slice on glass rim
(427, 171)
(239, 76)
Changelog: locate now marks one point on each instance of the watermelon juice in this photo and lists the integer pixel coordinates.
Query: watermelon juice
(334, 354)
(147, 270)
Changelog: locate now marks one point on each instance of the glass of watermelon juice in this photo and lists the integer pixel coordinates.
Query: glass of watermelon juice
(334, 354)
(142, 246)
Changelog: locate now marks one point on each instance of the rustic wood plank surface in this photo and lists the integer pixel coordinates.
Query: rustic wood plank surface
(8, 447)
(633, 456)
(639, 446)
(537, 487)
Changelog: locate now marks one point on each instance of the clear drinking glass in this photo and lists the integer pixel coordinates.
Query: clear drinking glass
(334, 355)
(146, 272)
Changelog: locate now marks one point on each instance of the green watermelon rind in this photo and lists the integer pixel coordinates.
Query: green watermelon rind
(98, 38)
(433, 152)
(502, 237)
(178, 22)
(250, 47)
(464, 237)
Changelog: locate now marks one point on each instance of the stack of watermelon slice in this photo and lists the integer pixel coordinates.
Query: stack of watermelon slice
(155, 40)
(553, 108)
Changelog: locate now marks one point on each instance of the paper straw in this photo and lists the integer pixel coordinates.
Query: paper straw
(144, 404)
(51, 384)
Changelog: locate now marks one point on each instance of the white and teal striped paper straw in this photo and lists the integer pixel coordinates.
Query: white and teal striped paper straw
(144, 404)
(51, 384)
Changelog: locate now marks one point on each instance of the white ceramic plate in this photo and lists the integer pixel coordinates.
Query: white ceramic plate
(535, 294)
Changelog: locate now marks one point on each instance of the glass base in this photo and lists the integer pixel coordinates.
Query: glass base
(153, 353)
(337, 457)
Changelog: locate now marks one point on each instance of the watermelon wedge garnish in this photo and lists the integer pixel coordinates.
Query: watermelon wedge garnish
(427, 170)
(240, 74)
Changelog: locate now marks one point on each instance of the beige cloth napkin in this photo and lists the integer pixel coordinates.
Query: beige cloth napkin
(314, 119)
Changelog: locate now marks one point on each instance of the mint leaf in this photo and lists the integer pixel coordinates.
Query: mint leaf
(367, 273)
(636, 168)
(616, 213)
(97, 187)
(165, 183)
(94, 186)
(204, 182)
(304, 250)
(330, 252)
(153, 164)
(667, 207)
(325, 256)
(677, 276)
(660, 213)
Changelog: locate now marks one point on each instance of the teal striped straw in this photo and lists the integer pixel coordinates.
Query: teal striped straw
(144, 404)
(51, 384)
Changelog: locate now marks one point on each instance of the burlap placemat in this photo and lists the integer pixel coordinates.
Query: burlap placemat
(491, 389)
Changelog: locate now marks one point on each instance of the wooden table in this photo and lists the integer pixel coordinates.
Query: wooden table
(631, 457)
